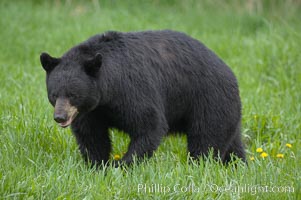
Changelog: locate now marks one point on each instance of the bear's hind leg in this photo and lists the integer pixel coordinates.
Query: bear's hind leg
(201, 140)
(237, 148)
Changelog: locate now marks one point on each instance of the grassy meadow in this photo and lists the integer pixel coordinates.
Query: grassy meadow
(261, 42)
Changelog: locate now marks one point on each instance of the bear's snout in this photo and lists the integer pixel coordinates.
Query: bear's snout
(60, 117)
(64, 112)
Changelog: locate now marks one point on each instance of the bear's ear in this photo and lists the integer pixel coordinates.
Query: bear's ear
(93, 65)
(48, 62)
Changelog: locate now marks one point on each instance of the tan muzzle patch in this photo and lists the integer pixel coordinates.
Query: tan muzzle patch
(64, 112)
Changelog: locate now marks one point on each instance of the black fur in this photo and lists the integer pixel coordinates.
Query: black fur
(147, 84)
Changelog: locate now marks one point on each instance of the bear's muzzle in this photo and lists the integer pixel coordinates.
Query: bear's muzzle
(64, 112)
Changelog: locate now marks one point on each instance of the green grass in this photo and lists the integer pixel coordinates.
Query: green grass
(39, 160)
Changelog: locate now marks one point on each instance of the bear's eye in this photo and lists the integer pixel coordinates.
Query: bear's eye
(53, 96)
(73, 96)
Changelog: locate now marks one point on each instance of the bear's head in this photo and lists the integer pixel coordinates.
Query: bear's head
(71, 85)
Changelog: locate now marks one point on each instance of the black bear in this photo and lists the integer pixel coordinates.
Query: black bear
(146, 84)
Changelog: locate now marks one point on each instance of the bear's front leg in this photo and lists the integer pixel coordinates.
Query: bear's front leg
(93, 139)
(141, 147)
(147, 132)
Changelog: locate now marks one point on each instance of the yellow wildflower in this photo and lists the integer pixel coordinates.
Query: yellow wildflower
(259, 150)
(288, 145)
(280, 155)
(252, 158)
(116, 157)
(264, 155)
